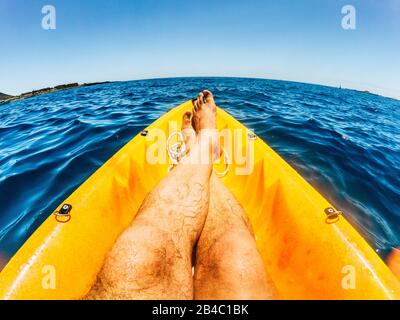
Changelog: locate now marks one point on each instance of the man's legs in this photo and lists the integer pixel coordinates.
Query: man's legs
(152, 258)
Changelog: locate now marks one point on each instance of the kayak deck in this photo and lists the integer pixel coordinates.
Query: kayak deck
(306, 257)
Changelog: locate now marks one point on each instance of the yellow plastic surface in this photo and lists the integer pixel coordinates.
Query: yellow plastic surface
(306, 257)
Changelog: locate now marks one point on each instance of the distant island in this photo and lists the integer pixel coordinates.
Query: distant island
(4, 98)
(365, 91)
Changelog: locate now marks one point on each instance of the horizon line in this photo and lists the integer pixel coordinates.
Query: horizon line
(213, 76)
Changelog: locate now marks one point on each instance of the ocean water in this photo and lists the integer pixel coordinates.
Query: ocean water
(345, 143)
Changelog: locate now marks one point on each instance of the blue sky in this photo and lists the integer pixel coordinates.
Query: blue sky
(298, 40)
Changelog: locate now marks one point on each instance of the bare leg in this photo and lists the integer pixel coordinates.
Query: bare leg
(228, 264)
(152, 258)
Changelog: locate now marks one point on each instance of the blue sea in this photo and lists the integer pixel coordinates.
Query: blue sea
(345, 143)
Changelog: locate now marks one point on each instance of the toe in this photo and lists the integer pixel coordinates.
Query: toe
(195, 107)
(200, 99)
(208, 96)
(186, 120)
(195, 121)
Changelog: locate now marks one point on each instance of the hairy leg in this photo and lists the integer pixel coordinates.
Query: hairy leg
(152, 258)
(228, 264)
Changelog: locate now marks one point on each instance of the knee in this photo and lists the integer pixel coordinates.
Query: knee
(237, 252)
(139, 257)
(232, 253)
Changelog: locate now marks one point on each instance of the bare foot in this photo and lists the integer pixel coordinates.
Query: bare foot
(204, 112)
(204, 123)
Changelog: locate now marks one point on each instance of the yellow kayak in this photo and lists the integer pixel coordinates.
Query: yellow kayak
(309, 249)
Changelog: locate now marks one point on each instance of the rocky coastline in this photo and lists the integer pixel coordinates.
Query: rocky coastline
(4, 98)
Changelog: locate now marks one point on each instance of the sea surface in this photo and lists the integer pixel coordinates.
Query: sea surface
(345, 143)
